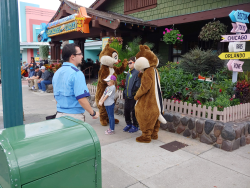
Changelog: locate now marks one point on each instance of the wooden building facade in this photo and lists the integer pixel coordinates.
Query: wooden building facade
(148, 19)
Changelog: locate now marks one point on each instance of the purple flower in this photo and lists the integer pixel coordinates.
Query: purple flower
(171, 29)
(178, 38)
(164, 32)
(194, 78)
(179, 35)
(181, 40)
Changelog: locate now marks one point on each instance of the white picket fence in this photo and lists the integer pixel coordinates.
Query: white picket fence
(228, 114)
(92, 90)
(231, 113)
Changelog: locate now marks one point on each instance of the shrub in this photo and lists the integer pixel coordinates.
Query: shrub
(244, 76)
(243, 91)
(175, 83)
(198, 61)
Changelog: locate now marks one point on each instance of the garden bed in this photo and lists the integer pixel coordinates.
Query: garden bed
(227, 136)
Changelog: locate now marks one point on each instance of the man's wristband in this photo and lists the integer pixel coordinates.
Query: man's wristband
(93, 114)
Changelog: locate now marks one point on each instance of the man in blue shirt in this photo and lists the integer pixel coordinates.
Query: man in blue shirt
(69, 86)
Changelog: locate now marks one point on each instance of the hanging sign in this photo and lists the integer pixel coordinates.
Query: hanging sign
(235, 55)
(237, 66)
(234, 38)
(239, 46)
(234, 28)
(75, 22)
(241, 27)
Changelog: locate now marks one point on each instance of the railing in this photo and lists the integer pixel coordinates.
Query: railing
(92, 90)
(231, 113)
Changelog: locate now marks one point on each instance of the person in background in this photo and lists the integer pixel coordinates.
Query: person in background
(34, 79)
(108, 98)
(45, 79)
(32, 66)
(133, 83)
(69, 86)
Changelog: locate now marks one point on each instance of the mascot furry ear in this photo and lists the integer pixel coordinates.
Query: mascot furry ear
(148, 96)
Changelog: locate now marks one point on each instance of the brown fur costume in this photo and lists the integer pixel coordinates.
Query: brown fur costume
(149, 106)
(108, 57)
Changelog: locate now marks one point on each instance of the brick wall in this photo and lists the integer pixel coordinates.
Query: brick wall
(171, 8)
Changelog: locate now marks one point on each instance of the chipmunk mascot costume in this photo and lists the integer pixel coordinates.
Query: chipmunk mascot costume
(149, 106)
(108, 57)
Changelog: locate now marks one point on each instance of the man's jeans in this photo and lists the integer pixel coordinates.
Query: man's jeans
(111, 110)
(43, 84)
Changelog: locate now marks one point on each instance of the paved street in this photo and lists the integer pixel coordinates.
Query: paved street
(128, 164)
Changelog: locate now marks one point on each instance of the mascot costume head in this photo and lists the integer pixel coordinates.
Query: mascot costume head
(149, 106)
(108, 58)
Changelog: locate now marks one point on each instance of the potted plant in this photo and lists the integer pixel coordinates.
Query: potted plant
(213, 31)
(172, 36)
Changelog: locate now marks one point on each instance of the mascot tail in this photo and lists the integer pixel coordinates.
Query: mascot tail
(159, 98)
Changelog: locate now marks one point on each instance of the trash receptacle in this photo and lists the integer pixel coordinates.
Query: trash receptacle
(59, 153)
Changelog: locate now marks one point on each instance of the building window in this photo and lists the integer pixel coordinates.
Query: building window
(132, 6)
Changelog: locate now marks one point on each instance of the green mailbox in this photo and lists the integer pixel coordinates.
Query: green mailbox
(59, 153)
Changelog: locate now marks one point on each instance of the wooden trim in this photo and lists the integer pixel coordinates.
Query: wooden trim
(140, 9)
(206, 15)
(96, 5)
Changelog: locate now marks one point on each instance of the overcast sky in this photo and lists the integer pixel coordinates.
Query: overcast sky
(52, 5)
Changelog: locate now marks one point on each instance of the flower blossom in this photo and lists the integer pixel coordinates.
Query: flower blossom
(220, 90)
(181, 40)
(164, 32)
(178, 38)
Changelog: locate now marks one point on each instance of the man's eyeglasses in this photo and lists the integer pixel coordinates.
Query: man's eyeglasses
(78, 54)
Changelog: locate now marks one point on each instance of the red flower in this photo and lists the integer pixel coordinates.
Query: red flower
(211, 88)
(187, 88)
(220, 90)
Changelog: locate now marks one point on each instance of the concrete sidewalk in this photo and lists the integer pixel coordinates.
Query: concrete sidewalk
(127, 163)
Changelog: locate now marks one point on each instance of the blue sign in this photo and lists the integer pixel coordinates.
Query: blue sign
(62, 28)
(71, 17)
(231, 15)
(239, 16)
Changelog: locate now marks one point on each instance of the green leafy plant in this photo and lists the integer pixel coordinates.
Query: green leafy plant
(176, 83)
(172, 36)
(213, 31)
(125, 52)
(243, 91)
(244, 76)
(198, 61)
(44, 51)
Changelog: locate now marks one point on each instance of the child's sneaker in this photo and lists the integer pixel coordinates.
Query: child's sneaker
(109, 132)
(127, 128)
(133, 129)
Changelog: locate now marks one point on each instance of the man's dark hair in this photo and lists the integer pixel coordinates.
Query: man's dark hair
(132, 59)
(36, 67)
(68, 50)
